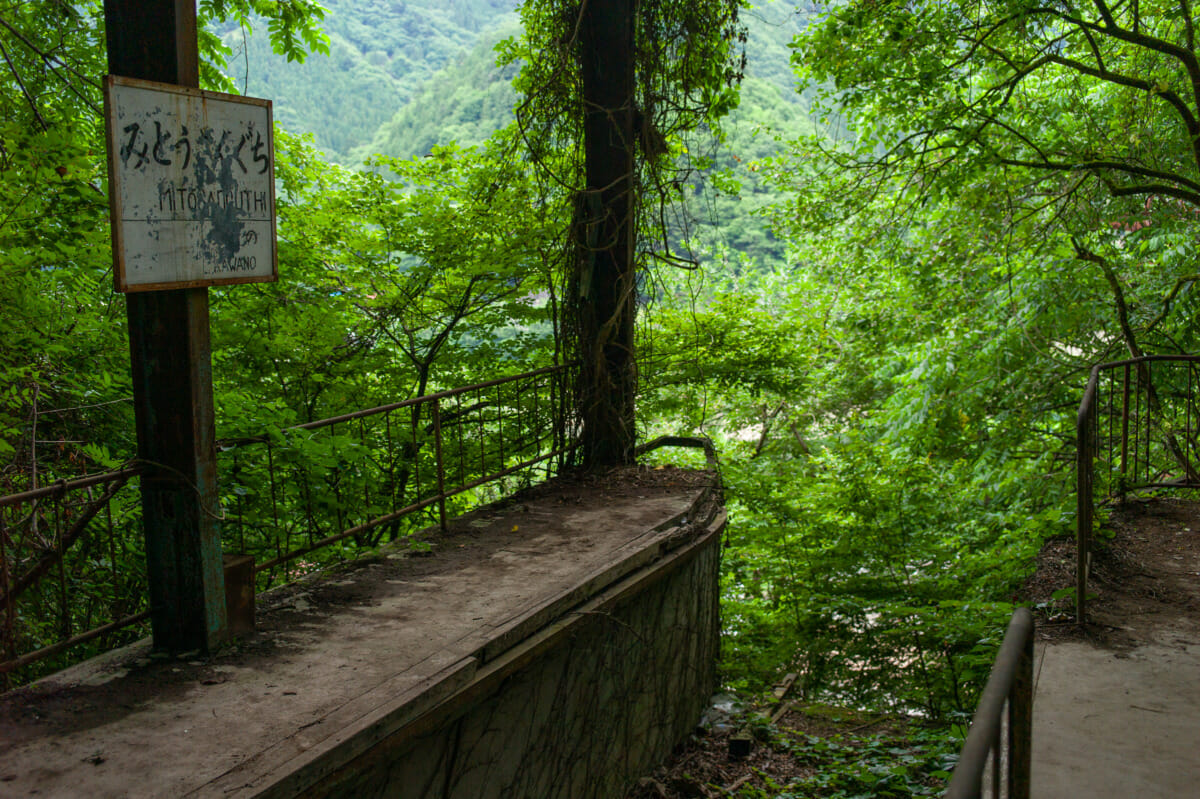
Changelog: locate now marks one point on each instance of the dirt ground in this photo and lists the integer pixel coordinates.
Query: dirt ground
(344, 652)
(1115, 708)
(1145, 577)
(359, 580)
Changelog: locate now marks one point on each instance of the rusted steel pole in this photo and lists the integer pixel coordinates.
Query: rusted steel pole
(1085, 457)
(172, 376)
(1009, 684)
(1125, 434)
(441, 466)
(1020, 720)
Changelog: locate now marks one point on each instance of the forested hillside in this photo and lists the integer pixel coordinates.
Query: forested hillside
(465, 102)
(402, 77)
(382, 55)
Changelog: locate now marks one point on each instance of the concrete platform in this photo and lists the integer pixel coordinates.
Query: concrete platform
(1117, 716)
(1117, 725)
(354, 656)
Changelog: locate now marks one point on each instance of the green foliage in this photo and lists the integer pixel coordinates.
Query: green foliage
(689, 62)
(896, 405)
(63, 362)
(890, 366)
(383, 57)
(58, 323)
(888, 480)
(390, 289)
(949, 105)
(292, 27)
(435, 276)
(911, 761)
(880, 564)
(877, 766)
(464, 104)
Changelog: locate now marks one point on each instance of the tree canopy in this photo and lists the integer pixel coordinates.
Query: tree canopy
(1062, 122)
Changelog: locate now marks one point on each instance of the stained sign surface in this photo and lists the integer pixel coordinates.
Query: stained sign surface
(191, 186)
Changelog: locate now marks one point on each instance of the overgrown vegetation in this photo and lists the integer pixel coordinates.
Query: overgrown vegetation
(806, 750)
(878, 291)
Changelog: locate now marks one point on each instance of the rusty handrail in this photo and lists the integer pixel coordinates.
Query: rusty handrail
(394, 406)
(1143, 449)
(39, 531)
(531, 408)
(47, 651)
(1085, 455)
(1003, 740)
(61, 487)
(432, 431)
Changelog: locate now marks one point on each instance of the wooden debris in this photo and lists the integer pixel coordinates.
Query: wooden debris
(740, 744)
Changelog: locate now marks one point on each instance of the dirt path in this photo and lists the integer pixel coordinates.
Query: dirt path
(1117, 707)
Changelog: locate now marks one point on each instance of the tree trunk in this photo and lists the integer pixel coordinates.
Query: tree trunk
(605, 279)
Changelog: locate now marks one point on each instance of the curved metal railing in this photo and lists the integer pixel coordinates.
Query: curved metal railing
(999, 745)
(356, 476)
(1136, 430)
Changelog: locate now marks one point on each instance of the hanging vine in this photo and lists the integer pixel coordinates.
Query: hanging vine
(679, 65)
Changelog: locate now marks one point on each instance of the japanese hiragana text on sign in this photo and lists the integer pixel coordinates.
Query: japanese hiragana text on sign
(192, 186)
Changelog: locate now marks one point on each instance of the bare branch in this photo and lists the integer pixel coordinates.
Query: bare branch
(1084, 254)
(1171, 188)
(1166, 191)
(1186, 280)
(1184, 55)
(1189, 24)
(16, 73)
(50, 61)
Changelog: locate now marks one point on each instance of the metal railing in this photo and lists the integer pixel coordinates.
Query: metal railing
(65, 576)
(1136, 429)
(363, 476)
(72, 560)
(997, 755)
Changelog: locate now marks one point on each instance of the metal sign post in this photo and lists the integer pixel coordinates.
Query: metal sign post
(172, 375)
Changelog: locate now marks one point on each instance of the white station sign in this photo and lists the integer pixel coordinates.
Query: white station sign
(191, 186)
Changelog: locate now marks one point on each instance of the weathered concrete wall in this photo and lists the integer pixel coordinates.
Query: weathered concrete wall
(555, 645)
(581, 710)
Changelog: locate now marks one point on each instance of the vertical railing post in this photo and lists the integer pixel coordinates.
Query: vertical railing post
(500, 423)
(391, 460)
(274, 497)
(1189, 470)
(365, 447)
(1020, 724)
(997, 748)
(1146, 421)
(10, 619)
(239, 498)
(441, 469)
(997, 766)
(1124, 432)
(1084, 462)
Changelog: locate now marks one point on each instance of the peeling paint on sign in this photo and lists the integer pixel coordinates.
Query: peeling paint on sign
(192, 186)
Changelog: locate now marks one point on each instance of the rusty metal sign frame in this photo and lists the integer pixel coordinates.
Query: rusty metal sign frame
(223, 221)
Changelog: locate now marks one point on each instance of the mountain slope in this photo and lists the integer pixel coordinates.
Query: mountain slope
(381, 54)
(464, 103)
